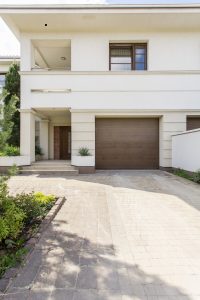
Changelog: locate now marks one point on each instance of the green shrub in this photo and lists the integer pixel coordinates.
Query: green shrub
(11, 259)
(44, 200)
(21, 211)
(14, 170)
(11, 220)
(19, 217)
(34, 205)
(29, 206)
(10, 151)
(196, 177)
(4, 230)
(3, 190)
(83, 151)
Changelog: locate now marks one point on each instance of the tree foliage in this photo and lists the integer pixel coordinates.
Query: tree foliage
(10, 122)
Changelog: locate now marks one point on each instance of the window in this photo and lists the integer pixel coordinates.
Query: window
(127, 57)
(2, 82)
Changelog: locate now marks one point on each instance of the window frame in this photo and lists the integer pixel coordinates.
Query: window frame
(133, 47)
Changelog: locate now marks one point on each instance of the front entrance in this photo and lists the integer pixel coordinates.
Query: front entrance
(62, 142)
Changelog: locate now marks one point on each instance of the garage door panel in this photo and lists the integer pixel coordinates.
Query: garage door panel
(193, 123)
(127, 143)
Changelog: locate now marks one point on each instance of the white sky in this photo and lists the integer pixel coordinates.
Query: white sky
(9, 44)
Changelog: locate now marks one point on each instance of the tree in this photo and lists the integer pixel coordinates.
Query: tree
(11, 103)
(6, 122)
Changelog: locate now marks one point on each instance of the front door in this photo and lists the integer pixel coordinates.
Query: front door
(62, 142)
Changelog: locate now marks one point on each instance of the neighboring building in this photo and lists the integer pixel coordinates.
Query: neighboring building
(118, 79)
(5, 62)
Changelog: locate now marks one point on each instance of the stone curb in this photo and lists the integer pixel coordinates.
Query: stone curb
(30, 245)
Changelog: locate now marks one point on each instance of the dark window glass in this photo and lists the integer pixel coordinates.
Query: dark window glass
(139, 58)
(128, 57)
(139, 66)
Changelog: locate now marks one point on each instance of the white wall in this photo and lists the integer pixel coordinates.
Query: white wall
(112, 91)
(186, 150)
(169, 89)
(90, 52)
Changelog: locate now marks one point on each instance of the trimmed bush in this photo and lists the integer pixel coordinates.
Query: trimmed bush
(10, 151)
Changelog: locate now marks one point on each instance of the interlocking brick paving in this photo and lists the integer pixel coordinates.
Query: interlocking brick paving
(127, 235)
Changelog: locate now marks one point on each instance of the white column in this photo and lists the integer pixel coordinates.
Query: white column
(83, 131)
(44, 138)
(27, 134)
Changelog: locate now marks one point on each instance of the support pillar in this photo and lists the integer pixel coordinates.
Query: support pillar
(27, 134)
(44, 138)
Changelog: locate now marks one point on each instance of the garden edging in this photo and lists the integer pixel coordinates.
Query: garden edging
(30, 244)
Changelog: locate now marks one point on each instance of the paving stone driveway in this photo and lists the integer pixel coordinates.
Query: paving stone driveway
(119, 236)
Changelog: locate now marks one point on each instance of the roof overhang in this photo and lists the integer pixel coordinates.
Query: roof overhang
(101, 18)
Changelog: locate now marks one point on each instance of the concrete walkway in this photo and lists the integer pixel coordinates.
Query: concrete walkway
(129, 235)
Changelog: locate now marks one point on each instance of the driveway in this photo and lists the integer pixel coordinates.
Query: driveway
(121, 235)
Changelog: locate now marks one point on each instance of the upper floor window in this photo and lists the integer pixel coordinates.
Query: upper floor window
(127, 57)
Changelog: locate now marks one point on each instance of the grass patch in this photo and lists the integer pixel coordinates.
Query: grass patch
(195, 177)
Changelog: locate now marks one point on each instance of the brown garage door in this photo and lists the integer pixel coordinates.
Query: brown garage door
(127, 143)
(193, 123)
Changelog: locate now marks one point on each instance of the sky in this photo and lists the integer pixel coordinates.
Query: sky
(9, 44)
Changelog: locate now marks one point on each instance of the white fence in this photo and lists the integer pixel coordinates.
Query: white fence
(186, 150)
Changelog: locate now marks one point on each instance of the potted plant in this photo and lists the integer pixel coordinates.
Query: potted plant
(84, 158)
(84, 151)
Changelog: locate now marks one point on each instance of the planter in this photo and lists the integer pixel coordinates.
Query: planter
(8, 161)
(83, 161)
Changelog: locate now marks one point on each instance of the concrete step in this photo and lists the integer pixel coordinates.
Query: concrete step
(52, 163)
(50, 167)
(51, 172)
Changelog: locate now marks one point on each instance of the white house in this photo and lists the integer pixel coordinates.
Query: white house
(117, 79)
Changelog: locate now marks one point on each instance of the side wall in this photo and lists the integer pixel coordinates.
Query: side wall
(185, 150)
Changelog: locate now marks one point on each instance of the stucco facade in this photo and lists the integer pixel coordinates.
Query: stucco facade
(168, 89)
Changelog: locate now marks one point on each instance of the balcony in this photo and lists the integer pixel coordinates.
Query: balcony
(50, 55)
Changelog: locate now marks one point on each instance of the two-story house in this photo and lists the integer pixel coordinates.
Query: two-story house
(117, 79)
